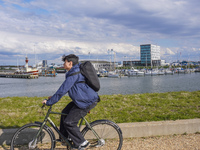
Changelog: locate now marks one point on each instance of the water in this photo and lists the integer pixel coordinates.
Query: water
(47, 86)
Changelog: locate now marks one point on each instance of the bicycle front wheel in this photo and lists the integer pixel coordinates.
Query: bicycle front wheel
(25, 138)
(107, 135)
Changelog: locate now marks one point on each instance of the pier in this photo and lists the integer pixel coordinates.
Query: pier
(48, 75)
(11, 75)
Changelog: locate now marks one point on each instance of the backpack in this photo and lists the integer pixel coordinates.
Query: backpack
(91, 78)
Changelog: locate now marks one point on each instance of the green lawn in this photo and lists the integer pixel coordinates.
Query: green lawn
(17, 111)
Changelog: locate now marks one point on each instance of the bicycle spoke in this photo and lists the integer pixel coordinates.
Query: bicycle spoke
(25, 138)
(110, 136)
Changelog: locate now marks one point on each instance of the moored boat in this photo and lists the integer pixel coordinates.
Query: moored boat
(135, 72)
(169, 72)
(112, 74)
(27, 70)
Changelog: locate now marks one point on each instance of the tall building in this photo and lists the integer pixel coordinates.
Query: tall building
(150, 55)
(44, 63)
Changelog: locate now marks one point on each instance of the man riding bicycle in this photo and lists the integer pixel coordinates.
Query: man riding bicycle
(84, 98)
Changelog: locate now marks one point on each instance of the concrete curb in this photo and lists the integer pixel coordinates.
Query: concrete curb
(138, 129)
(157, 128)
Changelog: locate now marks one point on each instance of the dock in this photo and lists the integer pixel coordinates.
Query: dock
(48, 75)
(24, 76)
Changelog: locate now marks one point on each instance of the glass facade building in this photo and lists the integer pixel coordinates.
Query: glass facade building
(44, 63)
(150, 55)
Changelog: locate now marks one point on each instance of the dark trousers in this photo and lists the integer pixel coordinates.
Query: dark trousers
(68, 124)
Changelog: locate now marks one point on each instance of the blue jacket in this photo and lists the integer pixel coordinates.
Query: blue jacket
(80, 93)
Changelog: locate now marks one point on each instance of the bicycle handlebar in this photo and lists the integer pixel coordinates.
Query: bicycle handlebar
(44, 104)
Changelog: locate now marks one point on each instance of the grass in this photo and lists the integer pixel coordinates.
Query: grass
(17, 111)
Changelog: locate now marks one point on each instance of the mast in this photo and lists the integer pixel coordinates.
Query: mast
(146, 60)
(114, 59)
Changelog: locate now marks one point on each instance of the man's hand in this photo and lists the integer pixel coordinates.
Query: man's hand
(44, 101)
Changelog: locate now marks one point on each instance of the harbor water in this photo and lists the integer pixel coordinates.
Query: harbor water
(47, 86)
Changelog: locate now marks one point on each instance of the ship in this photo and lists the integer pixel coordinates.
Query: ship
(27, 70)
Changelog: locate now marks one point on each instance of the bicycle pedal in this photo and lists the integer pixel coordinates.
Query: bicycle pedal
(58, 140)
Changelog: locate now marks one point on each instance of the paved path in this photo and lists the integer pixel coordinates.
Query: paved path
(132, 133)
(170, 142)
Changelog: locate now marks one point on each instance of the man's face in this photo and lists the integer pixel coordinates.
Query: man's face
(67, 65)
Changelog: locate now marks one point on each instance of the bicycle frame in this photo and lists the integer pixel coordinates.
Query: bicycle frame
(47, 119)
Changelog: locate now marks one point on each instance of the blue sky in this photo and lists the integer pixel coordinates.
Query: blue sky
(47, 29)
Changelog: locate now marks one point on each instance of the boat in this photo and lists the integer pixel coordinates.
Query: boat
(180, 70)
(135, 72)
(103, 73)
(160, 72)
(27, 70)
(98, 74)
(188, 70)
(197, 69)
(112, 74)
(140, 73)
(154, 72)
(168, 72)
(148, 73)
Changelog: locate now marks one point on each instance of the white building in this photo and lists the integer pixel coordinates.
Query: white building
(101, 65)
(155, 52)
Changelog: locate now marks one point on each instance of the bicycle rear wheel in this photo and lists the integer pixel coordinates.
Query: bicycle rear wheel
(23, 138)
(109, 133)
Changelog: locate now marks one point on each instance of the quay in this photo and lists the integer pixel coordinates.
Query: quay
(48, 75)
(24, 76)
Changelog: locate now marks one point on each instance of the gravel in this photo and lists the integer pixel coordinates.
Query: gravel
(170, 142)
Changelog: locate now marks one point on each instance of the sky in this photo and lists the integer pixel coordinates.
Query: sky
(47, 29)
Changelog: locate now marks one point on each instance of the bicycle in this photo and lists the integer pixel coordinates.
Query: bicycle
(102, 134)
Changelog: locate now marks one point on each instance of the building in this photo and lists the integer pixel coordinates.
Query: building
(150, 55)
(44, 63)
(132, 63)
(102, 65)
(163, 63)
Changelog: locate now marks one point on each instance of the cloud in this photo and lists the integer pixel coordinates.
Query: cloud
(169, 51)
(68, 18)
(58, 27)
(54, 47)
